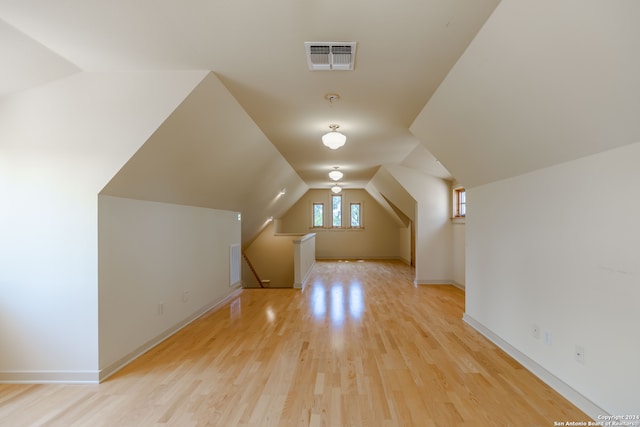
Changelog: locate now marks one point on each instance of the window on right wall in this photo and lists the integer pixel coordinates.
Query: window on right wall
(356, 215)
(460, 203)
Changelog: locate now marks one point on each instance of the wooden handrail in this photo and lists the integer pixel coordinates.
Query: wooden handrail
(255, 273)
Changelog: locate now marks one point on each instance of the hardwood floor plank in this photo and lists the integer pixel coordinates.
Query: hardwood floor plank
(360, 346)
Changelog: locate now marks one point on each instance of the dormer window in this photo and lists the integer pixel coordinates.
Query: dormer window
(460, 203)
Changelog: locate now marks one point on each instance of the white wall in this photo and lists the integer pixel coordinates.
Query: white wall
(458, 241)
(210, 153)
(559, 248)
(392, 196)
(458, 233)
(152, 253)
(59, 145)
(404, 244)
(433, 224)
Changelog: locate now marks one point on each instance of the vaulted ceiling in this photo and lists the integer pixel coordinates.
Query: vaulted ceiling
(256, 49)
(542, 83)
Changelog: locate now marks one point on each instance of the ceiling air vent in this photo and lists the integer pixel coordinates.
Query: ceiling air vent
(330, 55)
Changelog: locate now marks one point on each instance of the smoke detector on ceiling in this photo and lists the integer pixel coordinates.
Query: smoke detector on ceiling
(330, 55)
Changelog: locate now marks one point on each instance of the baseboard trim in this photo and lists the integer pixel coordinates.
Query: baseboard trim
(443, 282)
(364, 258)
(130, 357)
(49, 377)
(458, 285)
(573, 396)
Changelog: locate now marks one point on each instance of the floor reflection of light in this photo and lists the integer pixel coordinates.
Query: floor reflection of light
(338, 301)
(271, 315)
(318, 303)
(356, 300)
(337, 304)
(235, 309)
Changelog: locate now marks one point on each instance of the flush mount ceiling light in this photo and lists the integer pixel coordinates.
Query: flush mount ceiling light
(335, 174)
(334, 139)
(336, 188)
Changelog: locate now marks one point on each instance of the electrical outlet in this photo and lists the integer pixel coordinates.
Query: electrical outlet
(161, 308)
(579, 354)
(535, 331)
(547, 337)
(185, 296)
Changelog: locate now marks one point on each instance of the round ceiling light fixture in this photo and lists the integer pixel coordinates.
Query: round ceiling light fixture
(334, 139)
(335, 174)
(336, 188)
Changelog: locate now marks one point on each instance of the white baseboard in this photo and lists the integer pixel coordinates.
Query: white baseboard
(428, 282)
(581, 402)
(421, 282)
(458, 285)
(94, 377)
(124, 361)
(49, 377)
(364, 258)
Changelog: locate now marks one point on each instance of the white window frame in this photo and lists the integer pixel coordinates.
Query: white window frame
(313, 215)
(361, 222)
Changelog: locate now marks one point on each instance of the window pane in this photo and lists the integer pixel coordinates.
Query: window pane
(336, 202)
(461, 202)
(355, 215)
(318, 215)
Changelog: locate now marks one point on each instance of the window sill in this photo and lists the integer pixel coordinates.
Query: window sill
(458, 220)
(337, 228)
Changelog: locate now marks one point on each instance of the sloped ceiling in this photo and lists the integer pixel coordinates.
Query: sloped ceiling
(543, 82)
(27, 63)
(209, 153)
(404, 50)
(387, 191)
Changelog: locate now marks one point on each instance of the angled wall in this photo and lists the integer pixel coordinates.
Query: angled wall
(160, 266)
(558, 248)
(209, 153)
(59, 145)
(178, 200)
(394, 198)
(538, 120)
(433, 233)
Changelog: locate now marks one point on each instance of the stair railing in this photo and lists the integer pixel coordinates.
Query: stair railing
(253, 270)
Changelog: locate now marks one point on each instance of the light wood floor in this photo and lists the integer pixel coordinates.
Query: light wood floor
(361, 346)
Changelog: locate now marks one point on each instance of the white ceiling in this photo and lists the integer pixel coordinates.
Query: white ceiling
(544, 82)
(404, 51)
(27, 63)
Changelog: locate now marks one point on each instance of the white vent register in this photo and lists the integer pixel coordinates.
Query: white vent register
(330, 55)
